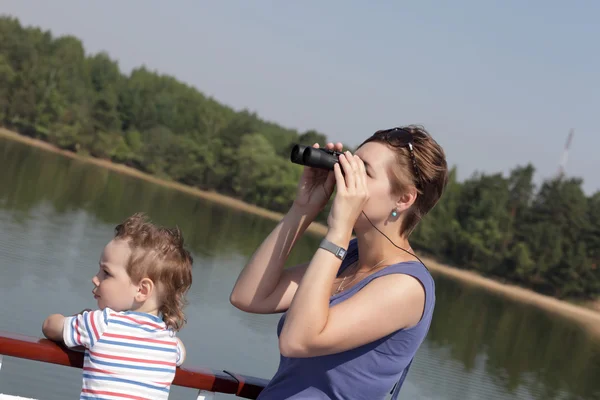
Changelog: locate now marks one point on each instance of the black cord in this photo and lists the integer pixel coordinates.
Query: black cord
(390, 240)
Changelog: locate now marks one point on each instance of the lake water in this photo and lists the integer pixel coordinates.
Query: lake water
(56, 214)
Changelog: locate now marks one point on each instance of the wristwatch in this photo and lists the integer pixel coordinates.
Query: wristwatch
(337, 251)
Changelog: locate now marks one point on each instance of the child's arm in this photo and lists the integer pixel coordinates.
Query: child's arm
(83, 329)
(53, 327)
(180, 352)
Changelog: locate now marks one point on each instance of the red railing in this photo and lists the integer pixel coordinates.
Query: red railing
(44, 350)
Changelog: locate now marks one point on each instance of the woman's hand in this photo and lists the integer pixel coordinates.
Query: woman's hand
(352, 194)
(315, 186)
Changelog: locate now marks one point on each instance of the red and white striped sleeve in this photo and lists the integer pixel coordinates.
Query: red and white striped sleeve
(85, 329)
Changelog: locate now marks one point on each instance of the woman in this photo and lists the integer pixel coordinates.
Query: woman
(356, 314)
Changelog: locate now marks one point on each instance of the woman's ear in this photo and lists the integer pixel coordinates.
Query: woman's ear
(406, 199)
(145, 290)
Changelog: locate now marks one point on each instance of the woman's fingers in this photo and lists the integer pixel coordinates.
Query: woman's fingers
(339, 178)
(331, 146)
(362, 172)
(355, 169)
(349, 175)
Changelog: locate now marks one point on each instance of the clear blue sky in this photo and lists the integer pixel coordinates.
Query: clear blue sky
(498, 83)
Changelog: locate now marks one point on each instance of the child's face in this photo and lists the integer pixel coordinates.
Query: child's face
(112, 286)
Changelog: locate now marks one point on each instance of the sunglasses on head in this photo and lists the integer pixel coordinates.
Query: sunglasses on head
(399, 137)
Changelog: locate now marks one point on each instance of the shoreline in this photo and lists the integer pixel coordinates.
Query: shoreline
(584, 315)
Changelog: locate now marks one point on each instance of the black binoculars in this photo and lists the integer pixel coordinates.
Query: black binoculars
(312, 157)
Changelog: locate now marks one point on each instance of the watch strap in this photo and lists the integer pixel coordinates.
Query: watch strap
(337, 251)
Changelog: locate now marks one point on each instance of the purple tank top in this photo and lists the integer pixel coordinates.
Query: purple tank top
(367, 372)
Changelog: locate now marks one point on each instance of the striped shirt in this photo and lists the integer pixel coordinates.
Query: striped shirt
(129, 355)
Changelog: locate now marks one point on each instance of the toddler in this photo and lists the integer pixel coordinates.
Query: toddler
(131, 350)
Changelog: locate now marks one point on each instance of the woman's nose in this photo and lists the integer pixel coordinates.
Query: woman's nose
(95, 280)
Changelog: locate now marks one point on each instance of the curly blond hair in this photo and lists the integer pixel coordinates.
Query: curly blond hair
(158, 254)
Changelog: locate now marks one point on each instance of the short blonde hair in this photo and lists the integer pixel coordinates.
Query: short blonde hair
(158, 254)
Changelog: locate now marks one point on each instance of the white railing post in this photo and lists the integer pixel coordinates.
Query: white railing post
(205, 395)
(1, 361)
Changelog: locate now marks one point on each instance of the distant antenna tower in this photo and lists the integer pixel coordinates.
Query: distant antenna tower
(563, 161)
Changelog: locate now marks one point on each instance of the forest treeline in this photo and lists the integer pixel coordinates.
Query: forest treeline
(546, 238)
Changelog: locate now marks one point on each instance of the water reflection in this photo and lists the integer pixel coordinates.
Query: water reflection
(524, 347)
(32, 178)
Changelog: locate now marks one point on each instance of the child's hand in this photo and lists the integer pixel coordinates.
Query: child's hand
(53, 327)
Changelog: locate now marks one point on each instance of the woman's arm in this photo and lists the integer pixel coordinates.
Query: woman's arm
(383, 306)
(389, 303)
(262, 286)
